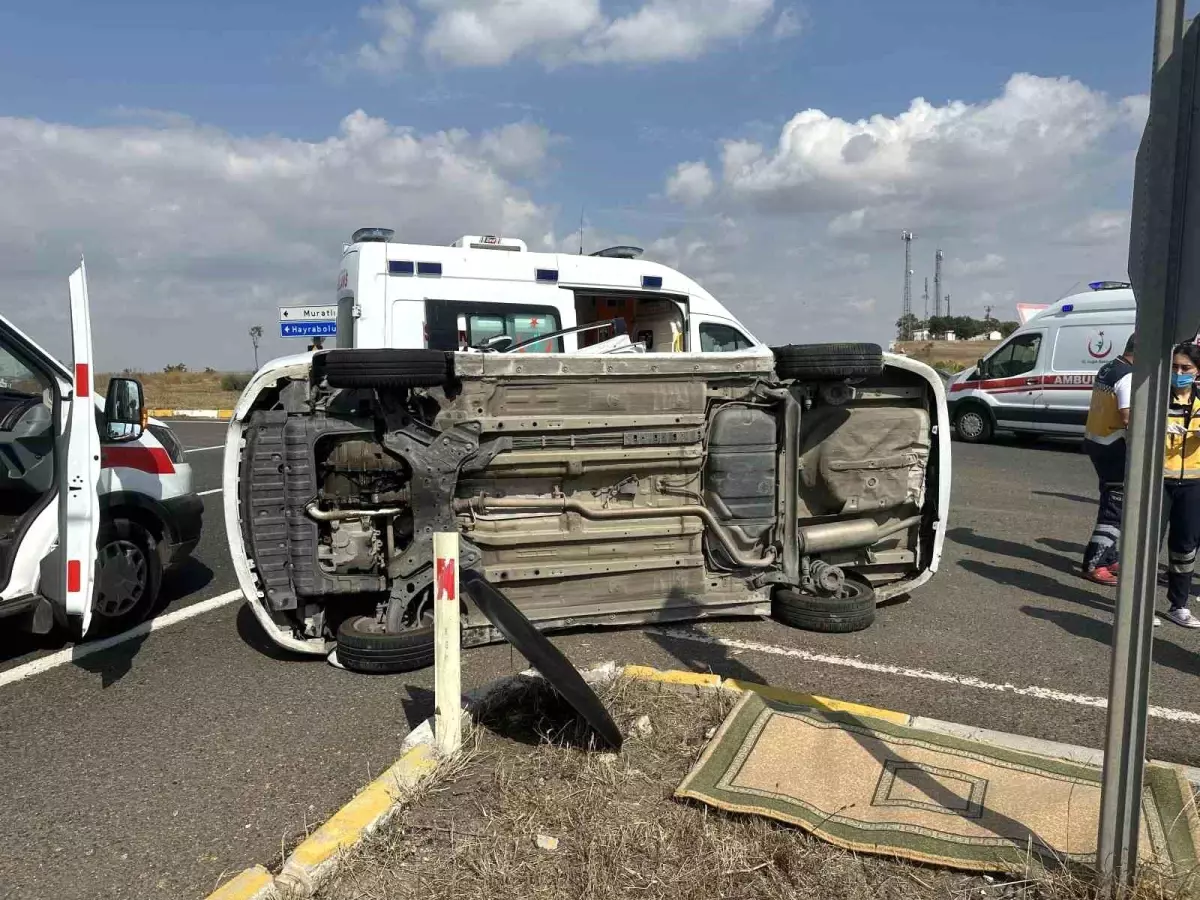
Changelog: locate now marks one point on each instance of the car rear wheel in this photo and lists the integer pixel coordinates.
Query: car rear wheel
(363, 646)
(825, 362)
(853, 609)
(973, 424)
(128, 577)
(383, 368)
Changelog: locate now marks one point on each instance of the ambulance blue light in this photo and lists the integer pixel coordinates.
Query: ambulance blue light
(429, 268)
(550, 275)
(400, 267)
(1068, 307)
(652, 281)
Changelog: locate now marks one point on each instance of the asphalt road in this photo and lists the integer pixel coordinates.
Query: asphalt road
(161, 766)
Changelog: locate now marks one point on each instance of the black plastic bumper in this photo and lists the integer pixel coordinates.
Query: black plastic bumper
(184, 521)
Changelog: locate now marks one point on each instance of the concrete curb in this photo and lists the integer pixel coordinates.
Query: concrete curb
(222, 414)
(317, 856)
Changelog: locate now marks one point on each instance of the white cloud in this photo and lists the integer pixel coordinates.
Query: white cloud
(478, 33)
(397, 26)
(1036, 175)
(520, 148)
(193, 234)
(690, 184)
(959, 153)
(789, 24)
(991, 264)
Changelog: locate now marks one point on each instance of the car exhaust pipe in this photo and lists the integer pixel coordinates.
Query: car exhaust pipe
(484, 504)
(846, 535)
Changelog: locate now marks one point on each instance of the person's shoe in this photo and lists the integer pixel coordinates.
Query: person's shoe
(1115, 568)
(1183, 616)
(1101, 575)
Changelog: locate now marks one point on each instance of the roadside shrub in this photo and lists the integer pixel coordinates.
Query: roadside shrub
(948, 365)
(234, 381)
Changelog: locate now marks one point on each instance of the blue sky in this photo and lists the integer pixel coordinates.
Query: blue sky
(608, 115)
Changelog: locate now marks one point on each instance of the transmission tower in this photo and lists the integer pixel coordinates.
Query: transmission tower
(987, 314)
(926, 296)
(937, 286)
(947, 306)
(906, 315)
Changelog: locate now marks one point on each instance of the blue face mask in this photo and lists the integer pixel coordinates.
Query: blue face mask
(1182, 380)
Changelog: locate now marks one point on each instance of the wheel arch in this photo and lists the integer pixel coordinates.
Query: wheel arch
(142, 510)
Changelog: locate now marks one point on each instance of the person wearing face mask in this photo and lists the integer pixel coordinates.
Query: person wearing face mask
(1105, 444)
(1181, 482)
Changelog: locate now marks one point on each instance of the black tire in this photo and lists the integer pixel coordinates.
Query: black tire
(362, 648)
(853, 611)
(826, 362)
(384, 368)
(973, 424)
(129, 574)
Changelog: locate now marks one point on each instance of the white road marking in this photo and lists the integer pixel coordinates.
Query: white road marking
(206, 493)
(202, 449)
(79, 651)
(1040, 693)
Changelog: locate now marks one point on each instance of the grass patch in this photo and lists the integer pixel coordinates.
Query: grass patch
(532, 814)
(186, 390)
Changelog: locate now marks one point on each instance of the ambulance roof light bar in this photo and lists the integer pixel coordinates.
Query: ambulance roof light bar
(372, 235)
(490, 242)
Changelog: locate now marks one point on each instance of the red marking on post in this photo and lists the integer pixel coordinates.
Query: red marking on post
(83, 383)
(444, 578)
(74, 576)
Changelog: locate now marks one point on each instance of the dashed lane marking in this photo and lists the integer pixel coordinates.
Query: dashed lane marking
(202, 449)
(1040, 693)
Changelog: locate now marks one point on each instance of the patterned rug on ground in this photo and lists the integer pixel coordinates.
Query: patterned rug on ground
(875, 787)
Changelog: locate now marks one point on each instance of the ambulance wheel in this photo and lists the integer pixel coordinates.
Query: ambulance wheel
(827, 362)
(383, 368)
(128, 577)
(852, 610)
(973, 424)
(363, 646)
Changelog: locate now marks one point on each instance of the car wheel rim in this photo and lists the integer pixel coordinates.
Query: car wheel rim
(970, 424)
(120, 579)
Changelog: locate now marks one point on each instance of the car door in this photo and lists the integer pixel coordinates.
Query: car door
(79, 502)
(1012, 381)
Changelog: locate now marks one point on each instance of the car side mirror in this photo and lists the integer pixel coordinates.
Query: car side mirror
(979, 367)
(124, 410)
(497, 343)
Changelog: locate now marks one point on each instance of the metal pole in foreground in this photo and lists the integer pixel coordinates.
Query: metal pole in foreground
(1157, 260)
(447, 645)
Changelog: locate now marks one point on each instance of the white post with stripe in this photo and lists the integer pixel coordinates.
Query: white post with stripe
(447, 644)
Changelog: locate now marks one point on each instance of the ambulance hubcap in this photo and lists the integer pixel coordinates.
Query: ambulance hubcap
(120, 579)
(970, 424)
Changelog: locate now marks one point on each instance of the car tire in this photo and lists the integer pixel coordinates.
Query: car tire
(853, 610)
(361, 647)
(825, 362)
(384, 368)
(129, 574)
(973, 424)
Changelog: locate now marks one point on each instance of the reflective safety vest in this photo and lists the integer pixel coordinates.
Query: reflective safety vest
(1183, 439)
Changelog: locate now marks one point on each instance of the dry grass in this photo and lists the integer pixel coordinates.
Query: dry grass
(961, 352)
(181, 390)
(620, 832)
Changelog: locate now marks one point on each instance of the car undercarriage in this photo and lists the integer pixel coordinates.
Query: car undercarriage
(591, 490)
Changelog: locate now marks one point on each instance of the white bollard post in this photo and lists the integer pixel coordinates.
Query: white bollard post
(447, 644)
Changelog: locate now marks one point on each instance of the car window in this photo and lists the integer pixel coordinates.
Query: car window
(451, 322)
(716, 338)
(16, 378)
(1016, 357)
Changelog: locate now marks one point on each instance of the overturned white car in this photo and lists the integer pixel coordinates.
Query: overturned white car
(807, 484)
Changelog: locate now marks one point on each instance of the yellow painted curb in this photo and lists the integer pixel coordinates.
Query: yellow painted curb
(697, 679)
(356, 819)
(674, 676)
(801, 699)
(246, 885)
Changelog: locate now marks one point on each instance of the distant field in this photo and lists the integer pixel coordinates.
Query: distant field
(185, 390)
(960, 353)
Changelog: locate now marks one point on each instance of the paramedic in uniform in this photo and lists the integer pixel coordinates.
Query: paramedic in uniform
(1104, 442)
(1181, 482)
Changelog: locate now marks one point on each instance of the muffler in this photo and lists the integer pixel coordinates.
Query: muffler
(846, 535)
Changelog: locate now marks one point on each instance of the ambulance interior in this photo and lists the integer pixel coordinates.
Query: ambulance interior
(657, 323)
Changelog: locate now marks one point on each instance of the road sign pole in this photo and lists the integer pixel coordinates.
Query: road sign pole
(447, 674)
(1155, 267)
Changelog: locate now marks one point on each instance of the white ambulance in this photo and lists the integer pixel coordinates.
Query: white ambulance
(96, 498)
(1039, 381)
(483, 288)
